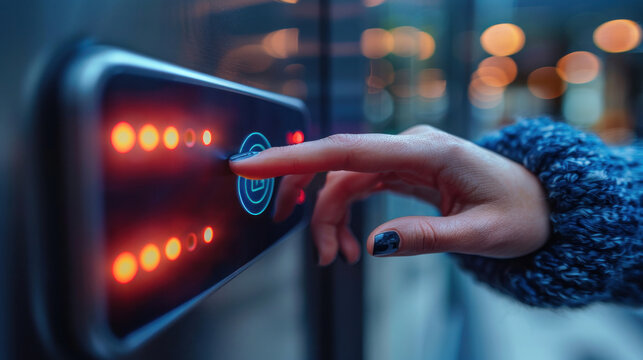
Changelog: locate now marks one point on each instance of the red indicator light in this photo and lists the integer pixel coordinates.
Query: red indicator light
(190, 242)
(207, 137)
(171, 138)
(301, 197)
(123, 137)
(298, 137)
(125, 267)
(148, 137)
(208, 234)
(189, 137)
(173, 248)
(150, 257)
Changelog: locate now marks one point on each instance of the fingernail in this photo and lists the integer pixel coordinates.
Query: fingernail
(386, 243)
(242, 156)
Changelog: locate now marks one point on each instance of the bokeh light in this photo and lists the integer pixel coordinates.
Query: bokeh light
(282, 43)
(426, 45)
(545, 83)
(376, 43)
(497, 71)
(578, 67)
(409, 41)
(483, 95)
(381, 74)
(431, 83)
(148, 137)
(372, 3)
(618, 36)
(123, 137)
(502, 39)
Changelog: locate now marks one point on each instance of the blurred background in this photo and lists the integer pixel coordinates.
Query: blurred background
(465, 66)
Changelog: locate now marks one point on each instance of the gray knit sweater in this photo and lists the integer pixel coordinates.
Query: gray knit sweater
(595, 249)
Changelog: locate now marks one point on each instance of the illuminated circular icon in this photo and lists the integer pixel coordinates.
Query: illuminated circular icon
(254, 195)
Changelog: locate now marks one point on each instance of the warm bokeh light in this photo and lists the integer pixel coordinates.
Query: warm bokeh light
(405, 41)
(484, 96)
(502, 39)
(545, 83)
(426, 45)
(301, 197)
(148, 137)
(578, 67)
(124, 268)
(381, 74)
(208, 234)
(190, 242)
(618, 36)
(372, 3)
(376, 43)
(282, 43)
(150, 257)
(431, 83)
(298, 137)
(206, 137)
(123, 137)
(497, 71)
(173, 248)
(289, 1)
(171, 137)
(189, 137)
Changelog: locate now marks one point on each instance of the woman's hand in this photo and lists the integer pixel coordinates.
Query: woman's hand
(491, 206)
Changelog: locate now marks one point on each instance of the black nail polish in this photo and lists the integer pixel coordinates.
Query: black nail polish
(242, 156)
(386, 243)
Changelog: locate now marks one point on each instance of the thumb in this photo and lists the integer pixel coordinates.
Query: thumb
(414, 235)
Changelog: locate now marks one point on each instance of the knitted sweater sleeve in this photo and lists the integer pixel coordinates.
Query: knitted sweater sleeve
(595, 249)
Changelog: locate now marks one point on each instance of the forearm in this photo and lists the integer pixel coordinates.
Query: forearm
(594, 252)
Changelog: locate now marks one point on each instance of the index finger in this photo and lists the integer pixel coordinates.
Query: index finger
(353, 152)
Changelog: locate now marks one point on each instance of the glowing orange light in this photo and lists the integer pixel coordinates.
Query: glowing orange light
(431, 84)
(171, 138)
(207, 137)
(281, 43)
(123, 137)
(405, 41)
(426, 44)
(578, 67)
(376, 43)
(372, 3)
(298, 137)
(502, 39)
(150, 257)
(208, 234)
(545, 83)
(189, 137)
(301, 197)
(618, 36)
(173, 248)
(148, 137)
(497, 71)
(191, 242)
(125, 267)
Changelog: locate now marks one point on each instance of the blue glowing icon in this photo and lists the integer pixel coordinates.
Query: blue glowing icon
(254, 195)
